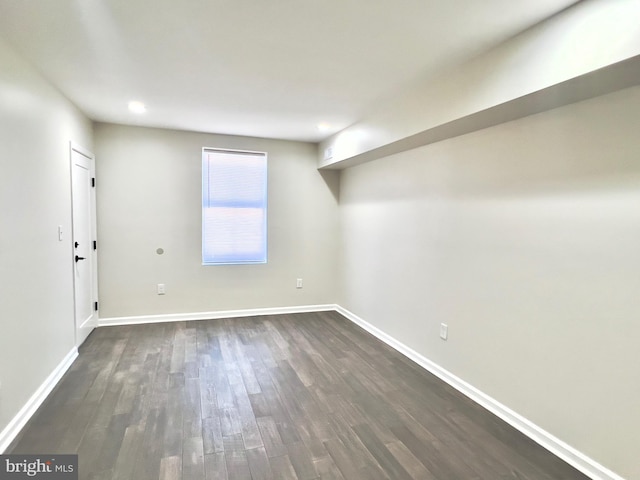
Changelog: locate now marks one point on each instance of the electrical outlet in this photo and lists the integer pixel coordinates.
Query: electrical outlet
(444, 331)
(299, 283)
(161, 289)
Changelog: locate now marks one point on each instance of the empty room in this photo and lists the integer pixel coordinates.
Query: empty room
(320, 240)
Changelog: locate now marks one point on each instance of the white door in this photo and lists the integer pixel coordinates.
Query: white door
(84, 249)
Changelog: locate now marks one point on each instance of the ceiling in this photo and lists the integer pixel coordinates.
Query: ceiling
(267, 68)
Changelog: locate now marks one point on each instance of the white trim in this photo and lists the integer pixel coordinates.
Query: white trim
(181, 317)
(12, 430)
(81, 150)
(566, 452)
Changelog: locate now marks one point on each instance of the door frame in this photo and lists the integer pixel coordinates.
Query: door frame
(80, 334)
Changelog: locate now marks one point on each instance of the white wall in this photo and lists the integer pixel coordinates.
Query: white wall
(149, 197)
(524, 239)
(36, 283)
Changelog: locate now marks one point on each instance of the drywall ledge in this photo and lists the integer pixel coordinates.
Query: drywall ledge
(609, 79)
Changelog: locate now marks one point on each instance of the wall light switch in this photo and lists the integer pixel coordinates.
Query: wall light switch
(161, 289)
(60, 234)
(299, 283)
(444, 331)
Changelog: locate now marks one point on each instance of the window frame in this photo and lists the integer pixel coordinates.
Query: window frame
(264, 203)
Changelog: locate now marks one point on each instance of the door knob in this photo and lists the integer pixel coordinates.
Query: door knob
(79, 258)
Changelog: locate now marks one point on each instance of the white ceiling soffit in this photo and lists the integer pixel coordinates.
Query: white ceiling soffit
(252, 67)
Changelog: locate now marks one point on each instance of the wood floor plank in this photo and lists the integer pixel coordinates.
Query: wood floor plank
(287, 428)
(152, 450)
(383, 456)
(282, 468)
(193, 459)
(172, 438)
(312, 441)
(236, 458)
(259, 464)
(440, 463)
(300, 396)
(343, 458)
(409, 462)
(112, 438)
(102, 475)
(128, 454)
(192, 410)
(212, 435)
(230, 422)
(273, 444)
(215, 467)
(357, 451)
(302, 461)
(171, 468)
(327, 469)
(260, 405)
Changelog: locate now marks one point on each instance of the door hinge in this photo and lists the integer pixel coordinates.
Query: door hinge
(95, 245)
(93, 181)
(95, 306)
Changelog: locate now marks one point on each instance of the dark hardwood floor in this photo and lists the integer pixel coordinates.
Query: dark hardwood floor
(303, 396)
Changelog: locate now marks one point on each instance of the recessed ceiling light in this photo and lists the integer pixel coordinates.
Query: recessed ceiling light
(137, 107)
(323, 126)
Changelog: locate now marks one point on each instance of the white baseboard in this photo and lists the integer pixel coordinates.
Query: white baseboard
(573, 457)
(180, 317)
(12, 430)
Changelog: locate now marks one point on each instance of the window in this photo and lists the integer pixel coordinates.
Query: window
(234, 207)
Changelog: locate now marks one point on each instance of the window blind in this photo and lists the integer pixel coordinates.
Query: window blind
(234, 207)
